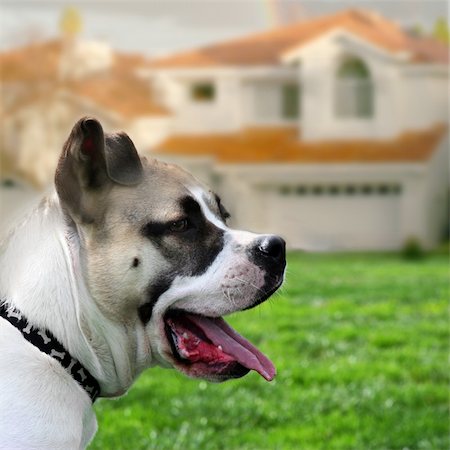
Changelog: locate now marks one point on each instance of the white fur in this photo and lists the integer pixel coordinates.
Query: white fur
(39, 401)
(41, 406)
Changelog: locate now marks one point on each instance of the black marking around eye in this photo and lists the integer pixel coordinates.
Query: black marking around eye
(190, 252)
(191, 212)
(154, 229)
(190, 206)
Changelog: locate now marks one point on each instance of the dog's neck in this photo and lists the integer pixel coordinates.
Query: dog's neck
(41, 277)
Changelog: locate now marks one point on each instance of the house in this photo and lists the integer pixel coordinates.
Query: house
(331, 132)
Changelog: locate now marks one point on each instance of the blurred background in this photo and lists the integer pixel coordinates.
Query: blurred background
(323, 121)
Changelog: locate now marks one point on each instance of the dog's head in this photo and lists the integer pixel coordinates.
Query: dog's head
(159, 259)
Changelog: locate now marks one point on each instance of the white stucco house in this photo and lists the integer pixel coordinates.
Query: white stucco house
(331, 132)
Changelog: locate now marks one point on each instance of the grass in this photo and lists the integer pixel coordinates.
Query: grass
(361, 347)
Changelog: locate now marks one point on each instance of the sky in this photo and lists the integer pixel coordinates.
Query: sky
(157, 27)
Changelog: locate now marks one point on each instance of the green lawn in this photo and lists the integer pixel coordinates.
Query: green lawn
(361, 347)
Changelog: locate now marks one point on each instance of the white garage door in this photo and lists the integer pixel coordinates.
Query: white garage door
(350, 217)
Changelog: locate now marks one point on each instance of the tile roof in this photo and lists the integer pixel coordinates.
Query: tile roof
(267, 48)
(37, 68)
(122, 93)
(282, 145)
(35, 62)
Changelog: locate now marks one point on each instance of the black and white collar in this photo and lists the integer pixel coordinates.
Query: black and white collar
(47, 343)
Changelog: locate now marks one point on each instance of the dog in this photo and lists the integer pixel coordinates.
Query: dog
(128, 264)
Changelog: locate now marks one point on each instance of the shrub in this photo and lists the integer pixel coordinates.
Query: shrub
(413, 249)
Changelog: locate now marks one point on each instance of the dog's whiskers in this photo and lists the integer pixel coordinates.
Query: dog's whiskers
(249, 283)
(227, 294)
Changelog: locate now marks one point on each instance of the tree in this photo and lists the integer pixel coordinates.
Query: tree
(441, 31)
(71, 23)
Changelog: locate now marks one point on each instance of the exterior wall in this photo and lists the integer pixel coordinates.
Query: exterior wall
(233, 107)
(271, 82)
(200, 167)
(146, 132)
(424, 99)
(406, 96)
(319, 64)
(253, 194)
(336, 222)
(16, 200)
(437, 196)
(222, 114)
(425, 207)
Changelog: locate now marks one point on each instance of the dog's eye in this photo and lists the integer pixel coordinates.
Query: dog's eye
(179, 226)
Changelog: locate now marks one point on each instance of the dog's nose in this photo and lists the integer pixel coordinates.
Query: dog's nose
(272, 247)
(269, 253)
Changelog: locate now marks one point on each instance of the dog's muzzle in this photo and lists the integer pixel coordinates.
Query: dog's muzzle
(207, 347)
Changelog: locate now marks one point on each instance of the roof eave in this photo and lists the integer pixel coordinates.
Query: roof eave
(297, 52)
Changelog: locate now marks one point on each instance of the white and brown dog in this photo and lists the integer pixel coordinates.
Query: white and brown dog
(130, 264)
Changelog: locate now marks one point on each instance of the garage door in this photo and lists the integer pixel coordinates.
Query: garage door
(336, 217)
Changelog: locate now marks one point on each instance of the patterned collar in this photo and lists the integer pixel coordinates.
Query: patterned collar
(47, 343)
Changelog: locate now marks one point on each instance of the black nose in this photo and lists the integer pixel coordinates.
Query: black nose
(273, 248)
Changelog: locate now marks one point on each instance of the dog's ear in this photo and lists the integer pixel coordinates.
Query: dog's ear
(91, 161)
(123, 164)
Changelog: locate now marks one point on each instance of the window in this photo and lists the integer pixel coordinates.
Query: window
(275, 101)
(203, 92)
(354, 90)
(290, 101)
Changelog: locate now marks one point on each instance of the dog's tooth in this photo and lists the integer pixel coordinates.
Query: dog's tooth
(185, 335)
(220, 347)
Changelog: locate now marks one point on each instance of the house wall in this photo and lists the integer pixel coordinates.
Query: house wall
(424, 101)
(318, 69)
(235, 105)
(147, 132)
(256, 199)
(222, 114)
(437, 214)
(16, 200)
(406, 96)
(261, 101)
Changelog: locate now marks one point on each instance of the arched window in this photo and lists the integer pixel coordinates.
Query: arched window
(354, 89)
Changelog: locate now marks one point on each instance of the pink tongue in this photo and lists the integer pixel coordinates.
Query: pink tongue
(233, 344)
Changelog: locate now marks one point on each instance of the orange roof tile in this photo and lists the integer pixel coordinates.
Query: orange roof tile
(267, 48)
(37, 67)
(37, 61)
(40, 61)
(123, 93)
(282, 145)
(426, 49)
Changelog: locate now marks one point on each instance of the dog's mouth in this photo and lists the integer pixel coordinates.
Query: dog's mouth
(205, 347)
